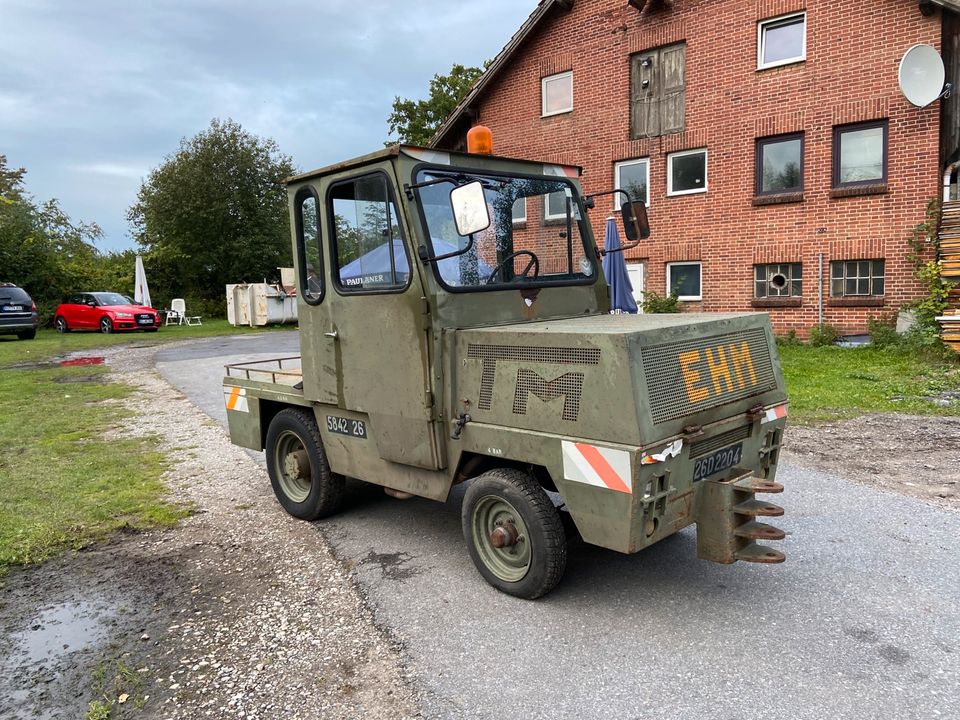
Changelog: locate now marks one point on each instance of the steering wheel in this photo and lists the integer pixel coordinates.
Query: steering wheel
(534, 263)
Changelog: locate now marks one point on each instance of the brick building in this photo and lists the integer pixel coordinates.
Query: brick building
(769, 138)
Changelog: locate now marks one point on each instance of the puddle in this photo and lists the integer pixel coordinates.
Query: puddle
(75, 362)
(62, 629)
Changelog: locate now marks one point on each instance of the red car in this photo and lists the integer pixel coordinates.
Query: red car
(104, 311)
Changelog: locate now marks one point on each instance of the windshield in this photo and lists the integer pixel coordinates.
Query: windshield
(535, 236)
(111, 299)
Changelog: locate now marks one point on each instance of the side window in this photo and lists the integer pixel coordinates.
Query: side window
(310, 267)
(368, 246)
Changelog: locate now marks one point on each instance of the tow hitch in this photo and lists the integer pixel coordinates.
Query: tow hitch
(727, 525)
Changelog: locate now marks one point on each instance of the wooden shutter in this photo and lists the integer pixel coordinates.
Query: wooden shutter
(644, 102)
(672, 88)
(657, 92)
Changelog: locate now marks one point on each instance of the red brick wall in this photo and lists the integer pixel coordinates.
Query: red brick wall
(850, 75)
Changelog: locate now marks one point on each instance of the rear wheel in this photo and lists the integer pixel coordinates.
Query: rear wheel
(106, 325)
(27, 334)
(61, 324)
(514, 533)
(298, 467)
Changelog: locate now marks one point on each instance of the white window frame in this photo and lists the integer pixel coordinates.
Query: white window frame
(761, 40)
(547, 217)
(673, 193)
(684, 298)
(543, 93)
(523, 219)
(617, 197)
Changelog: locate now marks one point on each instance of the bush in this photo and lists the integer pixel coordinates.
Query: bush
(883, 332)
(654, 303)
(824, 334)
(790, 339)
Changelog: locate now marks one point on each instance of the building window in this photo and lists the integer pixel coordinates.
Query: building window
(779, 165)
(683, 280)
(556, 93)
(779, 280)
(555, 206)
(856, 278)
(687, 172)
(520, 211)
(781, 41)
(657, 91)
(632, 176)
(860, 154)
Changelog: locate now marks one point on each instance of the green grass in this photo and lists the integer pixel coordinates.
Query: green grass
(830, 383)
(64, 484)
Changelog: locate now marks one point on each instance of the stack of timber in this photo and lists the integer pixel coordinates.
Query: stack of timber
(950, 271)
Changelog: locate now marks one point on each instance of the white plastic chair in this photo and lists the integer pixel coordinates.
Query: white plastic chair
(178, 308)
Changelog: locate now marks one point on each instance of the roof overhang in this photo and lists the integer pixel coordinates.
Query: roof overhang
(503, 57)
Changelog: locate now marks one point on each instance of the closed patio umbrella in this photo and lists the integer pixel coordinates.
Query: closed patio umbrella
(615, 270)
(141, 293)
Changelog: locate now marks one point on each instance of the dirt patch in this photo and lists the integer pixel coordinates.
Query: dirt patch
(912, 455)
(240, 611)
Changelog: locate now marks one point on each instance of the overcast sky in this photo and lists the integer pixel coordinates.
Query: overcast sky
(94, 94)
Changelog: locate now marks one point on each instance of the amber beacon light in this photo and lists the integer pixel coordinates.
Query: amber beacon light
(480, 140)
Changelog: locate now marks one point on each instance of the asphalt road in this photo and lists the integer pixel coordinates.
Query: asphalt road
(862, 621)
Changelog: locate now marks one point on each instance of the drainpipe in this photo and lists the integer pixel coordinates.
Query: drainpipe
(819, 288)
(947, 174)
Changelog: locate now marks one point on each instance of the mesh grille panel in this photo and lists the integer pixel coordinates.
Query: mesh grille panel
(704, 447)
(692, 375)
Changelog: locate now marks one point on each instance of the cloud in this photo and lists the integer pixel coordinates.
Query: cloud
(93, 95)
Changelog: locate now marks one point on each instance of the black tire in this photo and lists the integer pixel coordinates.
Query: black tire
(106, 325)
(151, 329)
(298, 467)
(61, 324)
(27, 334)
(488, 505)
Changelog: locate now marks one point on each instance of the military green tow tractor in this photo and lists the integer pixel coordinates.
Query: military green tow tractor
(455, 327)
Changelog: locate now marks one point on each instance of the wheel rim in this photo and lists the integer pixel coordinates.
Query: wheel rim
(61, 325)
(105, 325)
(292, 466)
(494, 517)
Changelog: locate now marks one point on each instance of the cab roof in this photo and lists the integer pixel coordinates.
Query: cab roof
(430, 155)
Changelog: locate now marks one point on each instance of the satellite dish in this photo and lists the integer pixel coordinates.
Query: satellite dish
(921, 75)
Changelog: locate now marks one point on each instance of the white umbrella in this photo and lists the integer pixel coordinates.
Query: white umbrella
(141, 293)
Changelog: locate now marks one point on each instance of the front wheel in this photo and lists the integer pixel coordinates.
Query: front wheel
(514, 533)
(61, 325)
(106, 325)
(298, 468)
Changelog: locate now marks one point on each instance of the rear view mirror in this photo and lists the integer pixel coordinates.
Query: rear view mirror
(469, 208)
(635, 223)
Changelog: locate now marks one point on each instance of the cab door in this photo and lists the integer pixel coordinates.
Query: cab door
(376, 317)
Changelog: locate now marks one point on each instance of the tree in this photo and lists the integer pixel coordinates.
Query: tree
(42, 249)
(214, 212)
(415, 121)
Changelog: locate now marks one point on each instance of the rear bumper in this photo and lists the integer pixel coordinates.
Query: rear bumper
(658, 495)
(9, 325)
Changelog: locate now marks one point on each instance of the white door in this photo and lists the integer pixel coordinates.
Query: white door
(636, 273)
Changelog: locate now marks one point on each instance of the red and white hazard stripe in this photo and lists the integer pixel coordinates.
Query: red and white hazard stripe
(598, 466)
(774, 413)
